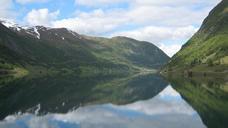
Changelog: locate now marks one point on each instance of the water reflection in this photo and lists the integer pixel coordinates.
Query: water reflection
(208, 96)
(61, 94)
(140, 100)
(165, 110)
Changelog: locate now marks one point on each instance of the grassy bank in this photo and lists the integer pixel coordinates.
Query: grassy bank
(198, 71)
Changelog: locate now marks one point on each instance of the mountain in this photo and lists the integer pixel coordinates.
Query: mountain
(51, 50)
(207, 50)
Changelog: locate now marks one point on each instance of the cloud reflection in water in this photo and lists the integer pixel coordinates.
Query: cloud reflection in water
(166, 110)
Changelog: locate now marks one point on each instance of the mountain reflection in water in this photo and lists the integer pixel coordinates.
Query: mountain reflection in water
(135, 101)
(62, 94)
(208, 96)
(166, 110)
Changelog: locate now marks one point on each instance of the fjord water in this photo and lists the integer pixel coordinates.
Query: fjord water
(110, 101)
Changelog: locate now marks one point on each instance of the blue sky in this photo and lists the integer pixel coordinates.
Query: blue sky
(167, 24)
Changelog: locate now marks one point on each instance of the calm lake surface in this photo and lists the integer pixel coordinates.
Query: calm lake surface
(136, 101)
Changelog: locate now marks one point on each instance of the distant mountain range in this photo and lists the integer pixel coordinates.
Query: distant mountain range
(50, 50)
(207, 50)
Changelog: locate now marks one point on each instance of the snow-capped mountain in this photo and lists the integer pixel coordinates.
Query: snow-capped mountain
(40, 32)
(10, 24)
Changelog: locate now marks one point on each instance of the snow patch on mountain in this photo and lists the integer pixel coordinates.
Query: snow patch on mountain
(10, 24)
(35, 30)
(37, 33)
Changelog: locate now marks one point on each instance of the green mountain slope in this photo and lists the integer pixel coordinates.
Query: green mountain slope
(207, 50)
(47, 51)
(127, 50)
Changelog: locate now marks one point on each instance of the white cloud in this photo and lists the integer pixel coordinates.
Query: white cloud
(174, 2)
(30, 1)
(157, 35)
(170, 49)
(165, 16)
(154, 15)
(96, 22)
(99, 22)
(41, 17)
(96, 3)
(5, 4)
(6, 9)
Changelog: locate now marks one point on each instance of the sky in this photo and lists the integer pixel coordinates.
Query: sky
(166, 23)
